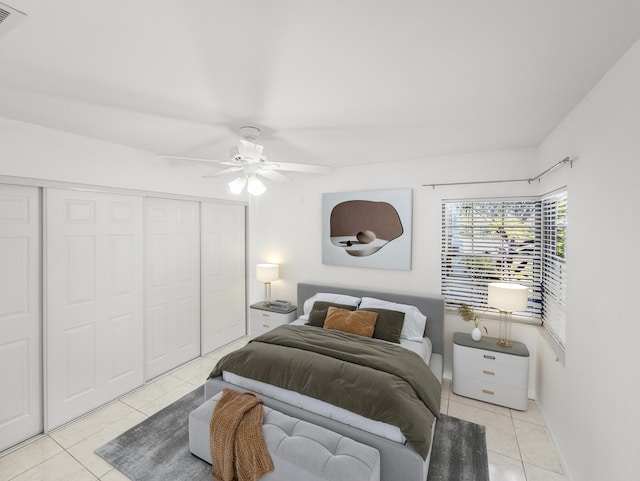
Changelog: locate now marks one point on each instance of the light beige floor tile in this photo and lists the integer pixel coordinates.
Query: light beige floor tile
(166, 399)
(224, 350)
(196, 372)
(536, 446)
(479, 404)
(84, 427)
(234, 346)
(501, 436)
(114, 475)
(243, 341)
(446, 388)
(504, 468)
(196, 383)
(126, 423)
(61, 467)
(151, 391)
(531, 415)
(214, 355)
(444, 405)
(28, 456)
(534, 473)
(84, 450)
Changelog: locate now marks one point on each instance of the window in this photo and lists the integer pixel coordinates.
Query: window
(490, 241)
(507, 240)
(554, 253)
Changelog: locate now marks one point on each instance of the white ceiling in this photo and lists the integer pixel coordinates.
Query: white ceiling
(329, 82)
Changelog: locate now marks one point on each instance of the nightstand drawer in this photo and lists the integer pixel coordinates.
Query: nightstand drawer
(259, 326)
(493, 373)
(262, 320)
(491, 357)
(482, 390)
(271, 317)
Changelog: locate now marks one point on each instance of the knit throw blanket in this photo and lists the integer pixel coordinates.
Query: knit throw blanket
(238, 448)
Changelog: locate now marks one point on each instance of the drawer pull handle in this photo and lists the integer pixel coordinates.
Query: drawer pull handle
(493, 358)
(266, 325)
(489, 373)
(265, 315)
(486, 391)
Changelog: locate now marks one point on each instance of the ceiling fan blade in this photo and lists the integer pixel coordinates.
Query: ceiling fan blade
(195, 159)
(273, 175)
(234, 163)
(307, 168)
(223, 172)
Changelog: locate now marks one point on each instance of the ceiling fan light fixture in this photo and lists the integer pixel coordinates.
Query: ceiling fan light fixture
(255, 187)
(248, 161)
(237, 185)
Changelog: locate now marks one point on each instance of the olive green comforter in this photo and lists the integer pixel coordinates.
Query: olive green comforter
(377, 380)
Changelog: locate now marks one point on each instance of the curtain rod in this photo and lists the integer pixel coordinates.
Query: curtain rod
(566, 160)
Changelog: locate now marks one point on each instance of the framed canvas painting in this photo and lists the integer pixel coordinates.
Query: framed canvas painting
(367, 229)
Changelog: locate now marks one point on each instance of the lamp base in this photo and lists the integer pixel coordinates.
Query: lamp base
(267, 294)
(504, 339)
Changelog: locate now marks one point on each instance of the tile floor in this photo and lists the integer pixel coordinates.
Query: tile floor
(519, 446)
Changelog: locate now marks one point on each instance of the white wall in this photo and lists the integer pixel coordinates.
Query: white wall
(592, 405)
(286, 223)
(32, 151)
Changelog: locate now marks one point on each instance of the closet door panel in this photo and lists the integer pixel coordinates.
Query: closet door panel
(156, 333)
(172, 284)
(20, 315)
(223, 275)
(94, 300)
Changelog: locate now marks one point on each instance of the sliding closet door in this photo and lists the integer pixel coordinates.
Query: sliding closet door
(172, 284)
(94, 297)
(223, 275)
(20, 315)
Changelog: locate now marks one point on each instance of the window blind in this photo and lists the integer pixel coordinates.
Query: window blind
(554, 253)
(491, 241)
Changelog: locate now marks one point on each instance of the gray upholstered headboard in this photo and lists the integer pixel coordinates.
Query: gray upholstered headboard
(430, 306)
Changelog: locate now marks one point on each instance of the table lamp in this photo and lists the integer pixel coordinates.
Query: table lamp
(267, 273)
(507, 298)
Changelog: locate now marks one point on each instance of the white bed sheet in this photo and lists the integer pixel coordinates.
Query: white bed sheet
(423, 349)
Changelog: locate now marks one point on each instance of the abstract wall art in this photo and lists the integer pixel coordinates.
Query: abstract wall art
(367, 229)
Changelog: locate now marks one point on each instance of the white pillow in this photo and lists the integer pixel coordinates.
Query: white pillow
(328, 297)
(414, 320)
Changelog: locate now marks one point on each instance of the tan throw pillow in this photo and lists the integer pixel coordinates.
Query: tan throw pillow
(361, 323)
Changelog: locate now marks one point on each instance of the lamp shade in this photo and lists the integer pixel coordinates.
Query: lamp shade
(508, 297)
(254, 186)
(237, 185)
(267, 272)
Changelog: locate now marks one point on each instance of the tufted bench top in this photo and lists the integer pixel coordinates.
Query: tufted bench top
(298, 449)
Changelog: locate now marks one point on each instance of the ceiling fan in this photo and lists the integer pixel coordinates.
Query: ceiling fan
(248, 160)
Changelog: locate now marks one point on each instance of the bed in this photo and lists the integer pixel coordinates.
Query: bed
(404, 457)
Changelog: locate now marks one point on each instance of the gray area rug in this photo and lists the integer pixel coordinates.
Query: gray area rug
(158, 448)
(459, 451)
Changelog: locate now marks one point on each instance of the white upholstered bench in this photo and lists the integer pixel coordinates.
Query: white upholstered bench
(298, 449)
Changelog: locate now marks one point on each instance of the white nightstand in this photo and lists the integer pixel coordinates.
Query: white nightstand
(489, 372)
(263, 318)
